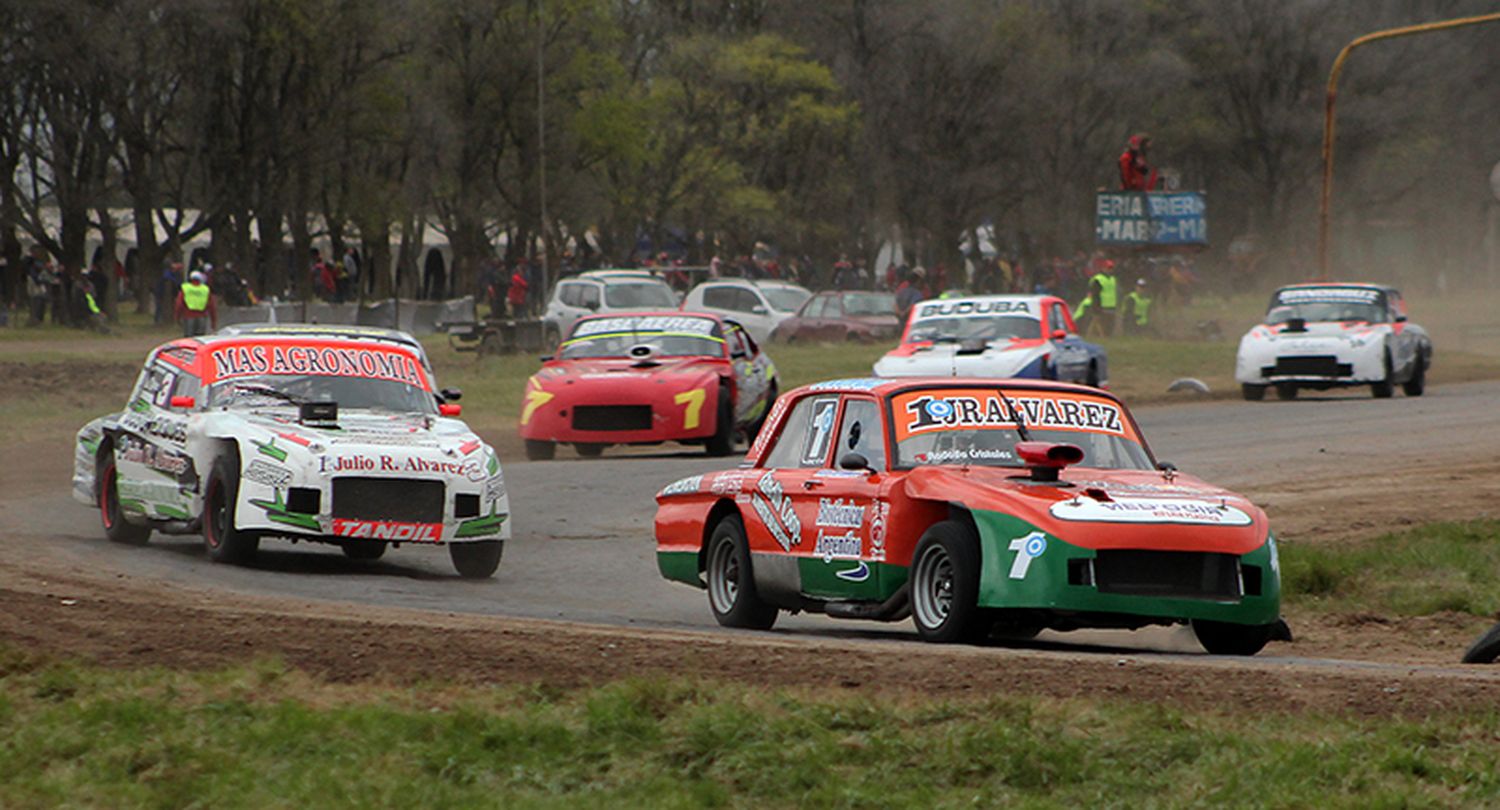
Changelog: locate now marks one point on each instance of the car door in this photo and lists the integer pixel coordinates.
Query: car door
(155, 473)
(830, 323)
(1070, 353)
(804, 325)
(750, 372)
(775, 526)
(842, 556)
(1403, 340)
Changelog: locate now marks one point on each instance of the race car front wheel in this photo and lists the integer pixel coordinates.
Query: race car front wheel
(731, 584)
(1415, 386)
(539, 450)
(1252, 393)
(363, 549)
(945, 584)
(477, 559)
(116, 528)
(1386, 387)
(722, 442)
(224, 542)
(1225, 638)
(1486, 649)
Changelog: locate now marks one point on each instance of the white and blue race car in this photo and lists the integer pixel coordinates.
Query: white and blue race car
(1030, 336)
(323, 433)
(1321, 336)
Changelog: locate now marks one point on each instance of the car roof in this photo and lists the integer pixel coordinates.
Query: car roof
(1315, 285)
(652, 313)
(753, 282)
(617, 275)
(884, 386)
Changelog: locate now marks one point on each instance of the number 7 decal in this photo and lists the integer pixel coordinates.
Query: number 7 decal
(691, 415)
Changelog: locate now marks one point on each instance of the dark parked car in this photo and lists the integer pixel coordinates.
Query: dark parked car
(842, 315)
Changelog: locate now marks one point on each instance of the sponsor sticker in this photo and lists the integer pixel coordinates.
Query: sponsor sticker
(1151, 510)
(334, 361)
(654, 323)
(846, 546)
(267, 474)
(468, 468)
(855, 383)
(976, 307)
(879, 517)
(1027, 548)
(393, 530)
(840, 514)
(775, 510)
(685, 486)
(919, 412)
(1328, 295)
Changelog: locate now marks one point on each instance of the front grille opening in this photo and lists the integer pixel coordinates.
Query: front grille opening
(1250, 575)
(1080, 572)
(1174, 574)
(362, 498)
(306, 500)
(465, 505)
(1312, 365)
(612, 417)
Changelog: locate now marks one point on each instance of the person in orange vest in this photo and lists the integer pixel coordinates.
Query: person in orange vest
(195, 307)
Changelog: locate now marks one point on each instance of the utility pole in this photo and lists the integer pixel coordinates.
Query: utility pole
(1332, 97)
(541, 141)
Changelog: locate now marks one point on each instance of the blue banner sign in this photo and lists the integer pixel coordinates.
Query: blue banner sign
(1139, 218)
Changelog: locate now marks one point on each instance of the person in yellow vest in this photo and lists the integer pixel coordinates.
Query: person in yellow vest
(1099, 306)
(195, 307)
(1138, 309)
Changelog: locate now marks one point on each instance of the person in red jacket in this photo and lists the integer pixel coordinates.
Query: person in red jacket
(1135, 173)
(516, 295)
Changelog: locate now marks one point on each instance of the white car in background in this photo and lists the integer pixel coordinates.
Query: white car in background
(1323, 336)
(599, 292)
(756, 305)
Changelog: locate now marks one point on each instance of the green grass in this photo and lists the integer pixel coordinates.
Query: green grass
(1415, 572)
(265, 736)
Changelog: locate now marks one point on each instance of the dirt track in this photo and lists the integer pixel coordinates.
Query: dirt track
(1326, 470)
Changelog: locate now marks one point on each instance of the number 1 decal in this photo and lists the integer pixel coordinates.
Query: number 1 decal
(1027, 549)
(691, 415)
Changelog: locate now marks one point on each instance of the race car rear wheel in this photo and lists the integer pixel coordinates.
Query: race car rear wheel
(363, 549)
(589, 449)
(1252, 393)
(945, 584)
(477, 559)
(722, 442)
(1418, 382)
(1225, 638)
(1287, 391)
(224, 542)
(539, 450)
(731, 584)
(1486, 649)
(1386, 388)
(116, 528)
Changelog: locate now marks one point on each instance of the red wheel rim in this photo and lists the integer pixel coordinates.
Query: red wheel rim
(106, 495)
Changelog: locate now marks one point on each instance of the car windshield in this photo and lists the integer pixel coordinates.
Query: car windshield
(869, 304)
(645, 294)
(974, 426)
(669, 335)
(785, 299)
(975, 327)
(1315, 311)
(351, 393)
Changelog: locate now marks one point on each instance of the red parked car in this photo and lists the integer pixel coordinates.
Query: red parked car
(842, 315)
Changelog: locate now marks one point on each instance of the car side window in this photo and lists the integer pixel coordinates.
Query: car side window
(734, 336)
(1059, 319)
(747, 301)
(155, 385)
(861, 432)
(833, 306)
(807, 435)
(588, 296)
(567, 294)
(814, 308)
(720, 297)
(187, 386)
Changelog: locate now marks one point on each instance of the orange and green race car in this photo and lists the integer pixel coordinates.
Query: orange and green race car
(977, 507)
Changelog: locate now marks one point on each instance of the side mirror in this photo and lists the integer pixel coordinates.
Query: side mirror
(1400, 319)
(1166, 466)
(545, 358)
(450, 409)
(452, 394)
(591, 305)
(1059, 334)
(854, 461)
(186, 403)
(758, 310)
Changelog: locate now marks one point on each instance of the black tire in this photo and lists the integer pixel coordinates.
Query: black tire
(1286, 391)
(116, 527)
(540, 450)
(477, 559)
(589, 449)
(731, 582)
(1252, 393)
(223, 541)
(1486, 649)
(1415, 386)
(1224, 638)
(945, 585)
(722, 442)
(1386, 388)
(1092, 380)
(363, 549)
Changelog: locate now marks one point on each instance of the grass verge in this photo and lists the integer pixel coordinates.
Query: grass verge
(1415, 572)
(265, 736)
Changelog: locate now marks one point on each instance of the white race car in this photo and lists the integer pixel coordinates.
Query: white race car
(324, 433)
(995, 336)
(1330, 335)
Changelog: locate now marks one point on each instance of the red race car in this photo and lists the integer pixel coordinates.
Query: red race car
(977, 507)
(647, 378)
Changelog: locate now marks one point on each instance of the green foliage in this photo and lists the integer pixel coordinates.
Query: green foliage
(268, 737)
(1414, 572)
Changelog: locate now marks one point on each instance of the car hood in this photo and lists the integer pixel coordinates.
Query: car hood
(1001, 358)
(1355, 333)
(1100, 509)
(276, 432)
(605, 373)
